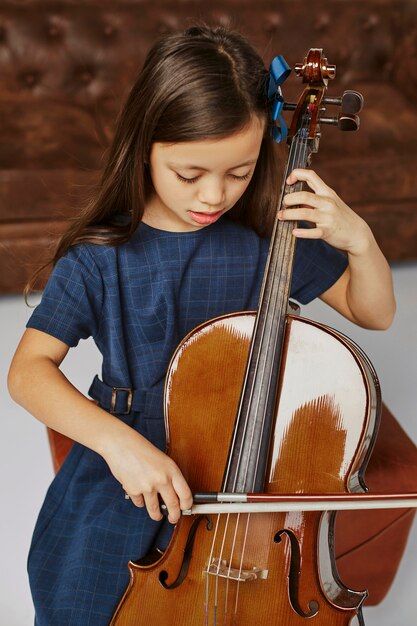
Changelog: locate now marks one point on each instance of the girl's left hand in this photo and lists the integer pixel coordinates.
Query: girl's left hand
(334, 221)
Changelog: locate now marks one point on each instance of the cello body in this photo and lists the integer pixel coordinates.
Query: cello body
(263, 568)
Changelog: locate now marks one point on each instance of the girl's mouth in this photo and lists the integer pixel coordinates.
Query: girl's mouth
(205, 218)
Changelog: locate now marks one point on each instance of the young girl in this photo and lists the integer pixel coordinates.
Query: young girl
(173, 237)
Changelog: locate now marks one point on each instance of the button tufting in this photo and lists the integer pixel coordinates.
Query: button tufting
(273, 22)
(30, 78)
(371, 22)
(323, 22)
(85, 76)
(109, 30)
(167, 25)
(53, 31)
(224, 19)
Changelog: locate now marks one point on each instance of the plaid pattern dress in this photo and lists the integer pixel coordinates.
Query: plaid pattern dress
(137, 301)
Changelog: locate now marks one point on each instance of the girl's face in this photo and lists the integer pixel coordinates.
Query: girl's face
(196, 182)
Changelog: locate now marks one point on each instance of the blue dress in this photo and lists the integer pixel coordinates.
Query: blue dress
(137, 301)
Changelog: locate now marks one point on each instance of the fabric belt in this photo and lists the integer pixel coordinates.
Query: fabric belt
(119, 400)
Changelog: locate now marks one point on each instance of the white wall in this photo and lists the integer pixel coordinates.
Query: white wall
(26, 468)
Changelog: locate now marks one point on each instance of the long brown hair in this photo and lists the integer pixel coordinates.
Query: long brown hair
(207, 82)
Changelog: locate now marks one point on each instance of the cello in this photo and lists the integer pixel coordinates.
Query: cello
(298, 425)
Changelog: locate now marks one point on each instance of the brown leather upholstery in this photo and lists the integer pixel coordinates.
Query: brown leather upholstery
(369, 544)
(65, 68)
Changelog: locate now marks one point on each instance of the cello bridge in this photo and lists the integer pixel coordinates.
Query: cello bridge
(223, 570)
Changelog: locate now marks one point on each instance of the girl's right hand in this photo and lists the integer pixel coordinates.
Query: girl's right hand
(146, 473)
(143, 470)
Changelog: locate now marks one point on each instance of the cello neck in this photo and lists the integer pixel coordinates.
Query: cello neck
(248, 454)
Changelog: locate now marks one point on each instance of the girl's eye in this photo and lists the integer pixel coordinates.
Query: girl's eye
(244, 177)
(195, 179)
(186, 180)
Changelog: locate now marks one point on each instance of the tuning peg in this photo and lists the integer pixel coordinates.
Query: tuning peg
(344, 121)
(351, 102)
(348, 122)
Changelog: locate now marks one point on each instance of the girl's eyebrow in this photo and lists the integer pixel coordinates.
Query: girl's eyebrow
(198, 167)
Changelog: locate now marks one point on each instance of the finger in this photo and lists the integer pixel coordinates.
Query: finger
(308, 233)
(300, 198)
(183, 491)
(295, 215)
(138, 501)
(152, 505)
(172, 503)
(312, 179)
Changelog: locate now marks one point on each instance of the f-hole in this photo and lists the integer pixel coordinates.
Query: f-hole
(294, 575)
(188, 552)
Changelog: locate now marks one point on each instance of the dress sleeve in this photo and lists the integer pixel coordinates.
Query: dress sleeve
(317, 266)
(71, 302)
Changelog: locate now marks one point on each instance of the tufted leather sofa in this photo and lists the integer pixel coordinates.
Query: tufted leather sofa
(65, 68)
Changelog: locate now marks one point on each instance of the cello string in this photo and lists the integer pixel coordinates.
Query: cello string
(258, 328)
(219, 562)
(296, 158)
(299, 157)
(234, 485)
(261, 330)
(234, 540)
(227, 523)
(240, 568)
(207, 608)
(279, 307)
(251, 394)
(226, 602)
(286, 233)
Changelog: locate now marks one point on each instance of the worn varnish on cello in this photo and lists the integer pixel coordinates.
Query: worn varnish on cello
(269, 403)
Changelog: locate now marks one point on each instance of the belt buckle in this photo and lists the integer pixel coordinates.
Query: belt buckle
(129, 392)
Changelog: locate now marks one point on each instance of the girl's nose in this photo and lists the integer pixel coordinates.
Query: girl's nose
(212, 193)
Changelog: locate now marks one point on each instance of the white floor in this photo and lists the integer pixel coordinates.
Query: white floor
(26, 467)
